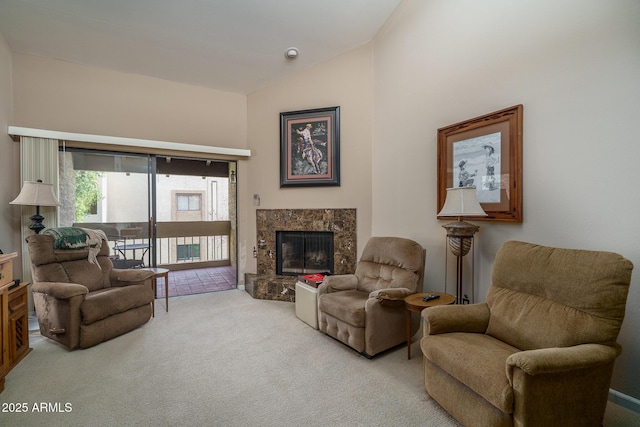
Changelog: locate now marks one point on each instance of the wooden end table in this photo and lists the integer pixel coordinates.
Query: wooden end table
(159, 272)
(416, 304)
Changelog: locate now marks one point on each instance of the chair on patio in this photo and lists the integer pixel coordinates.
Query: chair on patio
(126, 245)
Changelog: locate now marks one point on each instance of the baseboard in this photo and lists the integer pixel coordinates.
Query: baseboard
(625, 401)
(241, 287)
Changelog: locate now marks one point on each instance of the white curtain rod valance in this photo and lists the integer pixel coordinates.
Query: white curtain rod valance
(15, 131)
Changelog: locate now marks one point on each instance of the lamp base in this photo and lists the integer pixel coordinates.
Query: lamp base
(460, 246)
(36, 223)
(460, 235)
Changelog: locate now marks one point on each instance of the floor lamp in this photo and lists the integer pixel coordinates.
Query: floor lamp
(36, 193)
(461, 202)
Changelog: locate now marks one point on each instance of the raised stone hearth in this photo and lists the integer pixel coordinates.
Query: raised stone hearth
(342, 222)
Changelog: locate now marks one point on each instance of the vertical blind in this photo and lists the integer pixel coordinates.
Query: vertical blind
(38, 160)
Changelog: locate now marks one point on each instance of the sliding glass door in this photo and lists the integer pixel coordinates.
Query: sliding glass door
(177, 213)
(194, 211)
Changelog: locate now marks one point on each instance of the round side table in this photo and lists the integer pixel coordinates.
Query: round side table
(416, 304)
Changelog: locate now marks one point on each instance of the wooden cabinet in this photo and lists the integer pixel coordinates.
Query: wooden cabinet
(14, 318)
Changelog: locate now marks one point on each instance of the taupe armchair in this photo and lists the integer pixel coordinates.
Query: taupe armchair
(366, 310)
(540, 351)
(80, 303)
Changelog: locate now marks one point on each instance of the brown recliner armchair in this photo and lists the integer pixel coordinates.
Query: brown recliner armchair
(540, 351)
(79, 303)
(366, 310)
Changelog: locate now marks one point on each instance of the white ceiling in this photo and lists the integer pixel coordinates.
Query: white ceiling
(232, 45)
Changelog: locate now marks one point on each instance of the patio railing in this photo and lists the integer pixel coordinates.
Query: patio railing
(193, 244)
(180, 245)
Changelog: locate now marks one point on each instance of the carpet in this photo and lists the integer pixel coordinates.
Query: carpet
(219, 359)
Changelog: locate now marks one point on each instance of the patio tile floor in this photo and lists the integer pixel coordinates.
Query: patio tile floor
(202, 280)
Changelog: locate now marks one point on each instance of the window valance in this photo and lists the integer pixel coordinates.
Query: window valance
(146, 146)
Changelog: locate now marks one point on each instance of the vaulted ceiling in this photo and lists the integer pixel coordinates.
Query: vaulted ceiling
(232, 45)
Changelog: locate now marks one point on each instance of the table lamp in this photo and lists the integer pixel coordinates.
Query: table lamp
(461, 202)
(36, 193)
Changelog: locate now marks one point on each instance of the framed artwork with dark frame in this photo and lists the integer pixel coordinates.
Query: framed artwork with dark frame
(486, 153)
(310, 147)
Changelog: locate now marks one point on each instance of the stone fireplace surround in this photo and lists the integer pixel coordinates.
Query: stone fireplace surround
(265, 284)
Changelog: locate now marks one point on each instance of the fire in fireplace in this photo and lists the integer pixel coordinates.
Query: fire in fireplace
(304, 252)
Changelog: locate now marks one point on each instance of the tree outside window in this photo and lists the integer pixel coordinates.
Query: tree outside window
(87, 193)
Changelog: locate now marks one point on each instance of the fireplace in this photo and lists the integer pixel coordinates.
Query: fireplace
(304, 252)
(265, 283)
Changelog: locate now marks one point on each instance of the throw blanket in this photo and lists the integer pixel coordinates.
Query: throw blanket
(78, 238)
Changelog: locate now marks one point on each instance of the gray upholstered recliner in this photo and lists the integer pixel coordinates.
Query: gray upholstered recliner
(366, 310)
(540, 350)
(79, 303)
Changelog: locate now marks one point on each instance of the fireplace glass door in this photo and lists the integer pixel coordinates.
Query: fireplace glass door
(304, 252)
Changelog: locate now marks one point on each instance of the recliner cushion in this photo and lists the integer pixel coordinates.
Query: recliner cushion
(90, 275)
(523, 320)
(103, 303)
(374, 276)
(477, 361)
(81, 271)
(347, 306)
(553, 297)
(390, 262)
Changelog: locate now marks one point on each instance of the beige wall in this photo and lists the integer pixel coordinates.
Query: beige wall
(56, 95)
(9, 156)
(575, 66)
(345, 81)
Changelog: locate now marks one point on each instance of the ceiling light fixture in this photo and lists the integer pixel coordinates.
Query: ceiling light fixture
(291, 53)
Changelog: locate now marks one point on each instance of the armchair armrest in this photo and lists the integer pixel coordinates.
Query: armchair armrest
(124, 277)
(456, 318)
(548, 380)
(391, 295)
(342, 282)
(59, 290)
(552, 360)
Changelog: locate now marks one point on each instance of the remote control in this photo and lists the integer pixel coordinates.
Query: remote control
(430, 297)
